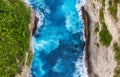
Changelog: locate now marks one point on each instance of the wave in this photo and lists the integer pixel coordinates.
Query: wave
(81, 70)
(54, 40)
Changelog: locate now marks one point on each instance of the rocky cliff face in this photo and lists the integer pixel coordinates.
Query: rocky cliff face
(28, 55)
(104, 46)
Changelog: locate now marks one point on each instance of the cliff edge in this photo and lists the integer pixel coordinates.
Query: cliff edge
(28, 55)
(104, 42)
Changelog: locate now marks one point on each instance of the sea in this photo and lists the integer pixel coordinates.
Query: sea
(59, 42)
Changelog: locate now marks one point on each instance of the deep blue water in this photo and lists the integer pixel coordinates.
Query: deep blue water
(59, 41)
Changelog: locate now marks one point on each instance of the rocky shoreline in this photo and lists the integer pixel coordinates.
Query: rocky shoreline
(32, 29)
(33, 23)
(86, 19)
(100, 59)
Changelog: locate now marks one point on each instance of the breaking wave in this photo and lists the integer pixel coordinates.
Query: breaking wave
(58, 44)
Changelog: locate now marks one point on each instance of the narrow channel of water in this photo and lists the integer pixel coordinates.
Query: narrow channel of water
(58, 44)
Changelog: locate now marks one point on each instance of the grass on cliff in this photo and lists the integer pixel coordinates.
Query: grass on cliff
(117, 73)
(14, 36)
(101, 15)
(105, 36)
(103, 3)
(116, 48)
(30, 56)
(113, 7)
(96, 27)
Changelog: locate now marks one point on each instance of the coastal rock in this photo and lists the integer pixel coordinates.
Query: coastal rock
(33, 24)
(102, 58)
(32, 27)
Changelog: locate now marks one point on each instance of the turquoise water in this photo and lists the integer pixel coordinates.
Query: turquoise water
(58, 44)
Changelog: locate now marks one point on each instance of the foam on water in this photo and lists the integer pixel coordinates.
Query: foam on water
(80, 64)
(59, 43)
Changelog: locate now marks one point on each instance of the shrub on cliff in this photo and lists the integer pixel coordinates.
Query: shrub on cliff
(105, 36)
(113, 7)
(117, 51)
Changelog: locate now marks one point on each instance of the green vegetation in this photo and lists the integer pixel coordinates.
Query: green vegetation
(95, 75)
(14, 36)
(113, 7)
(117, 73)
(96, 27)
(103, 3)
(105, 36)
(113, 11)
(30, 56)
(116, 48)
(101, 15)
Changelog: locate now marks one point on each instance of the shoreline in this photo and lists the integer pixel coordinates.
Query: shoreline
(32, 29)
(86, 19)
(33, 23)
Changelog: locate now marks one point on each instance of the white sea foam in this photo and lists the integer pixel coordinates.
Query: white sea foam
(38, 13)
(32, 42)
(40, 16)
(71, 18)
(79, 4)
(57, 67)
(81, 70)
(27, 2)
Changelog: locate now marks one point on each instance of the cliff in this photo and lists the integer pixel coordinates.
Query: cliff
(103, 49)
(14, 38)
(28, 55)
